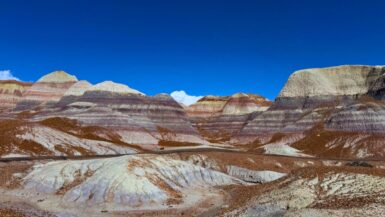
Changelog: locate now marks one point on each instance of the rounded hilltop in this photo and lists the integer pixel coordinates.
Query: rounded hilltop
(110, 86)
(58, 77)
(78, 88)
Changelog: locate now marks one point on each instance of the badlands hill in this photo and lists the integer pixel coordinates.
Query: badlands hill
(48, 89)
(219, 118)
(333, 112)
(336, 111)
(321, 114)
(135, 118)
(11, 93)
(59, 115)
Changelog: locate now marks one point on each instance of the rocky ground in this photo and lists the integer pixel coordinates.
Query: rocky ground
(193, 184)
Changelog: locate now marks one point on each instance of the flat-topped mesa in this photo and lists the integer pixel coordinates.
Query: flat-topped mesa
(310, 93)
(332, 81)
(335, 111)
(48, 89)
(325, 85)
(218, 118)
(11, 92)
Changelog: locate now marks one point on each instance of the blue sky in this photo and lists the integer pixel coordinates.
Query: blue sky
(200, 46)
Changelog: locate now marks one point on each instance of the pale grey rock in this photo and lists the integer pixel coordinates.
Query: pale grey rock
(253, 176)
(131, 181)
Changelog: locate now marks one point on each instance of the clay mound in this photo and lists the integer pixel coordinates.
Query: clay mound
(125, 183)
(58, 77)
(48, 90)
(240, 104)
(78, 88)
(109, 86)
(152, 122)
(207, 106)
(73, 93)
(219, 118)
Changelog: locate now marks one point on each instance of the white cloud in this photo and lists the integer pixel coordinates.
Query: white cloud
(7, 75)
(182, 97)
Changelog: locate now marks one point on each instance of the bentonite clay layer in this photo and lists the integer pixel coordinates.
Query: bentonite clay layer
(335, 112)
(48, 89)
(11, 93)
(219, 118)
(136, 118)
(207, 184)
(118, 114)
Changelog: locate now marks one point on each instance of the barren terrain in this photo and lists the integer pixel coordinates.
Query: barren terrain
(200, 183)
